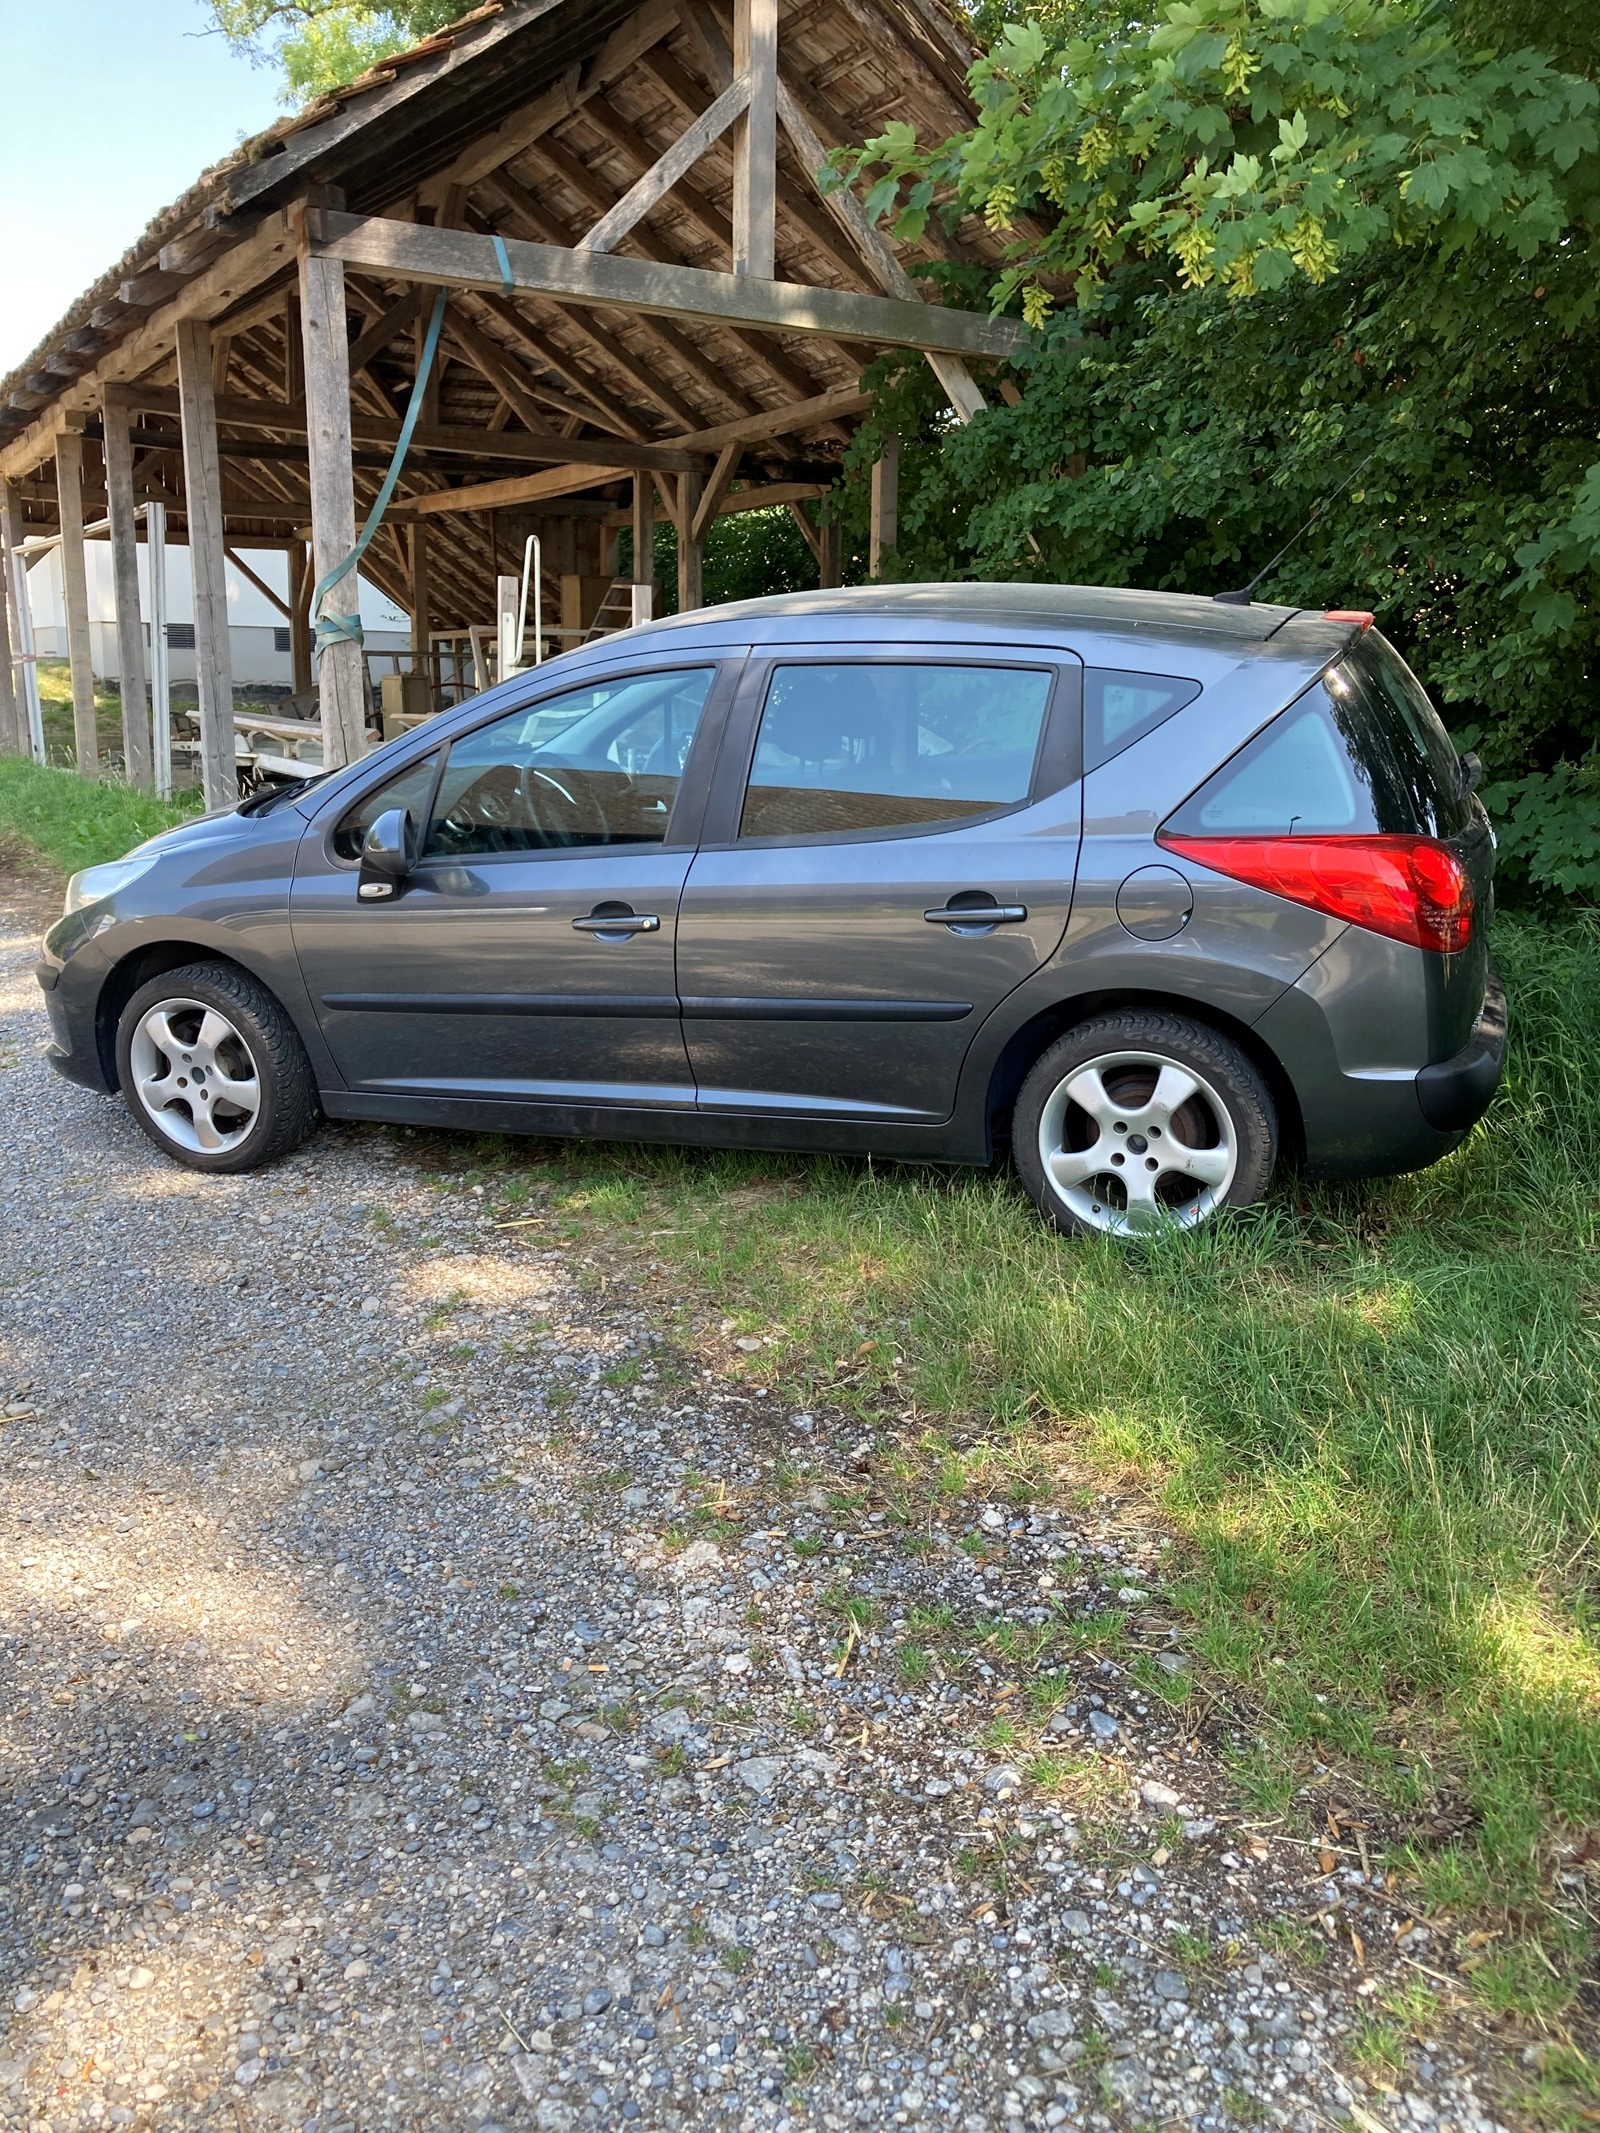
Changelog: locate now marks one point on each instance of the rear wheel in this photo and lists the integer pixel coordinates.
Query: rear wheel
(213, 1070)
(1137, 1120)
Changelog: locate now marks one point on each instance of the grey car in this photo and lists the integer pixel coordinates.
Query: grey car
(1153, 891)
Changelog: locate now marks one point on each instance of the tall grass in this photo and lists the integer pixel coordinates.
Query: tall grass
(78, 822)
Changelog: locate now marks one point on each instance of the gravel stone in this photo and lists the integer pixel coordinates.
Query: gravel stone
(369, 1578)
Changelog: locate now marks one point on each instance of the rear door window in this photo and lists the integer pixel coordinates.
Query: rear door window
(1361, 752)
(851, 747)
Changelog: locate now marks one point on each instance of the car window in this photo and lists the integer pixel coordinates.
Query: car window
(599, 765)
(854, 747)
(1120, 708)
(1354, 755)
(408, 788)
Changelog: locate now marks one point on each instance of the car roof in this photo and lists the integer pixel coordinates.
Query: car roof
(1115, 610)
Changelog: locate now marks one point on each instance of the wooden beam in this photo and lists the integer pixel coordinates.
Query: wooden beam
(607, 408)
(816, 413)
(491, 361)
(341, 671)
(385, 329)
(808, 532)
(885, 506)
(710, 502)
(253, 578)
(830, 559)
(202, 482)
(138, 762)
(75, 596)
(755, 142)
(421, 605)
(302, 678)
(691, 554)
(644, 549)
(646, 192)
(461, 259)
(498, 495)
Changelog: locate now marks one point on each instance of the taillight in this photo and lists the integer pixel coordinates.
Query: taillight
(1413, 889)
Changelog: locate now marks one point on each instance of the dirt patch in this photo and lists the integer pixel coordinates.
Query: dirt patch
(30, 884)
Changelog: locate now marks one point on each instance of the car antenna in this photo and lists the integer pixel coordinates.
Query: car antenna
(1241, 598)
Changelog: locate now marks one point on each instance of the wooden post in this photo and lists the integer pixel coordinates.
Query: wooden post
(137, 765)
(755, 139)
(29, 710)
(301, 678)
(75, 594)
(208, 564)
(13, 724)
(341, 670)
(644, 548)
(885, 506)
(691, 553)
(155, 563)
(421, 642)
(830, 565)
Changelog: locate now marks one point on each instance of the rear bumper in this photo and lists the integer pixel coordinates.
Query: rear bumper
(1455, 1094)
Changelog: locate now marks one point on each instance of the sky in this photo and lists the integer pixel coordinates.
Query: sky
(125, 103)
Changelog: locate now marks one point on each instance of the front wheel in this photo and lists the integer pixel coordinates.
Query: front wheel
(213, 1069)
(1136, 1120)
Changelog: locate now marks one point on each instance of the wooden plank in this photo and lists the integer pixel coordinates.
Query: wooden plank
(385, 329)
(715, 490)
(755, 143)
(885, 523)
(138, 762)
(644, 549)
(462, 259)
(808, 532)
(646, 192)
(75, 596)
(341, 671)
(608, 409)
(202, 483)
(421, 603)
(816, 413)
(830, 558)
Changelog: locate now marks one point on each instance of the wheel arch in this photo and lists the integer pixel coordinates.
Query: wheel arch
(137, 968)
(1034, 1037)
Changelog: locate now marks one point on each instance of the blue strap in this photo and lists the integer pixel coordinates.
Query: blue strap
(346, 629)
(504, 264)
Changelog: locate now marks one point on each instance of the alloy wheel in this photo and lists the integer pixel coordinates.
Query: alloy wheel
(1133, 1139)
(194, 1076)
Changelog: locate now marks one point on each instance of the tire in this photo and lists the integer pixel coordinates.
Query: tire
(1107, 1138)
(195, 1048)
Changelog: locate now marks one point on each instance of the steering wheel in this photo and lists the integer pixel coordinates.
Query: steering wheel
(549, 803)
(492, 802)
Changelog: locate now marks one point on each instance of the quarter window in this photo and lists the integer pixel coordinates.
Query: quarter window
(1119, 709)
(595, 766)
(850, 748)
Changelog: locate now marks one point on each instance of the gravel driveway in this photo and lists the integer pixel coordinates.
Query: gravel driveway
(428, 1698)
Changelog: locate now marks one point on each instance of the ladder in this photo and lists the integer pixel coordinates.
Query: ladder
(615, 611)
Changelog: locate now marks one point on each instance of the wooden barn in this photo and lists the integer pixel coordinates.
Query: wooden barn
(650, 305)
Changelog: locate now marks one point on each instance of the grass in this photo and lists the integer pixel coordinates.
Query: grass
(77, 822)
(1370, 1414)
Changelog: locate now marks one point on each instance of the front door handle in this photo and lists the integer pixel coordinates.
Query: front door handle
(978, 915)
(616, 922)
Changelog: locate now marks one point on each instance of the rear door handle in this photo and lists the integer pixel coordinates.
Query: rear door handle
(618, 923)
(978, 915)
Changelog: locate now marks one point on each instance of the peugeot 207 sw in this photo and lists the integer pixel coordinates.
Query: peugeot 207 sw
(1153, 889)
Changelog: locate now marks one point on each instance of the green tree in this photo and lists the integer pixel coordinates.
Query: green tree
(1267, 244)
(321, 44)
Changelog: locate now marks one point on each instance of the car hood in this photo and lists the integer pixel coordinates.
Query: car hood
(221, 825)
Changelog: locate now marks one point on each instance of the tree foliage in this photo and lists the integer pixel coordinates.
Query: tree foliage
(321, 44)
(1267, 244)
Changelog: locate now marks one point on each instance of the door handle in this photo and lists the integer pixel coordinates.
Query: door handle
(978, 915)
(617, 924)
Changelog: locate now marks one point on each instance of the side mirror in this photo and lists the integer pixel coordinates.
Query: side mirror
(1471, 771)
(388, 853)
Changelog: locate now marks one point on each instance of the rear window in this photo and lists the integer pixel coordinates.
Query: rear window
(1362, 751)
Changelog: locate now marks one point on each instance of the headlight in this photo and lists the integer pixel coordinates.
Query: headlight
(96, 883)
